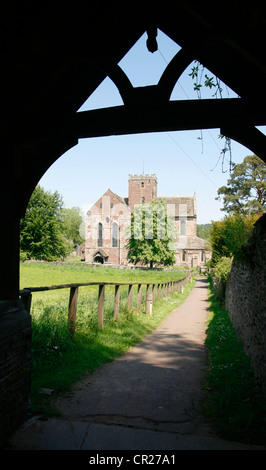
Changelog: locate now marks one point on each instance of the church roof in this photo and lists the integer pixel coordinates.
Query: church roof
(191, 243)
(184, 206)
(123, 200)
(109, 192)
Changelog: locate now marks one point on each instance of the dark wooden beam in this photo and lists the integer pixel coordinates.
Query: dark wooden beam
(169, 116)
(147, 112)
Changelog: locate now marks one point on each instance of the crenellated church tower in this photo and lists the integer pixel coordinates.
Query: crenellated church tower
(141, 188)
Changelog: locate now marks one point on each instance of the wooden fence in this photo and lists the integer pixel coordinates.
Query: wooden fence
(164, 289)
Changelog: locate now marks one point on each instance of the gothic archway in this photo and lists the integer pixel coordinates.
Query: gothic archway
(54, 63)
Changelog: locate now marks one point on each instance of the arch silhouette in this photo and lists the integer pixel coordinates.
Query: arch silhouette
(48, 74)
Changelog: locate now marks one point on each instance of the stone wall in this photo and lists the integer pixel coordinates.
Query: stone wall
(245, 300)
(15, 357)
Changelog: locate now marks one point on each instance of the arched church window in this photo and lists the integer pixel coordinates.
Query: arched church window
(115, 235)
(100, 234)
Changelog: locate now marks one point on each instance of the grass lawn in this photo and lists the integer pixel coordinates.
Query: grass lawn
(58, 360)
(48, 274)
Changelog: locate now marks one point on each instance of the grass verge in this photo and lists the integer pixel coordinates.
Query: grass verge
(235, 404)
(58, 360)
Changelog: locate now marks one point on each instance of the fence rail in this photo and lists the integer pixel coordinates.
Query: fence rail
(164, 289)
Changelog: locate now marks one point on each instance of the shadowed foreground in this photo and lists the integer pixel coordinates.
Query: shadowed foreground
(149, 398)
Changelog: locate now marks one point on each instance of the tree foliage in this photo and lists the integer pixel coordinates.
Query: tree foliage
(203, 231)
(48, 231)
(152, 235)
(72, 220)
(246, 189)
(229, 237)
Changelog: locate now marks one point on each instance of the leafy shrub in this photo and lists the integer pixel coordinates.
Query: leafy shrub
(230, 236)
(237, 232)
(23, 256)
(220, 274)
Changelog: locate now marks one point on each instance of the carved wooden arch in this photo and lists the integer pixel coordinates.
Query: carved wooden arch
(149, 109)
(162, 91)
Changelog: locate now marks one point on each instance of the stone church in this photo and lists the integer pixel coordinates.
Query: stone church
(108, 222)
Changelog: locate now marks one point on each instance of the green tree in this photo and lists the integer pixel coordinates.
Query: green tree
(236, 232)
(41, 229)
(246, 189)
(219, 248)
(229, 237)
(152, 235)
(203, 231)
(71, 223)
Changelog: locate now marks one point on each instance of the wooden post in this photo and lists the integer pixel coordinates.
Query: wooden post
(72, 309)
(159, 291)
(101, 305)
(148, 301)
(26, 297)
(153, 292)
(130, 292)
(117, 300)
(139, 296)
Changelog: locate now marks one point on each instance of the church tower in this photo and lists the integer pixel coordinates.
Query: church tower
(141, 188)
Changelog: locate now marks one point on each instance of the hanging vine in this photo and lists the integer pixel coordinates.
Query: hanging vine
(214, 83)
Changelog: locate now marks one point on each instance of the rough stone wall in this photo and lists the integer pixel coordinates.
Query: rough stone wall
(245, 300)
(15, 357)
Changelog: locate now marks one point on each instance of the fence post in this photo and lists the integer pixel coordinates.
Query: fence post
(26, 297)
(148, 301)
(130, 292)
(117, 299)
(72, 309)
(139, 296)
(159, 291)
(153, 292)
(101, 305)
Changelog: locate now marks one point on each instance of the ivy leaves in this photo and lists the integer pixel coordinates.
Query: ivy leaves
(197, 74)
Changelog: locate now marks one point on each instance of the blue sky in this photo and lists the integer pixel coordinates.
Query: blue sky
(183, 162)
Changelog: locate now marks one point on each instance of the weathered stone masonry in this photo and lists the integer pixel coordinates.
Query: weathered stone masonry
(15, 357)
(246, 300)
